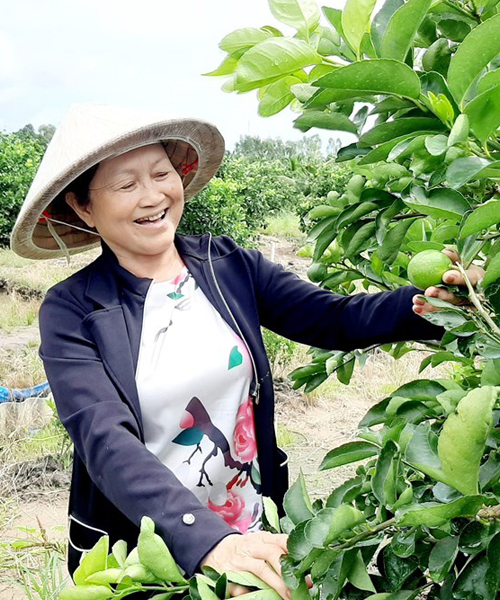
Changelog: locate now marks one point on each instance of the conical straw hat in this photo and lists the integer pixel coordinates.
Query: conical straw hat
(89, 134)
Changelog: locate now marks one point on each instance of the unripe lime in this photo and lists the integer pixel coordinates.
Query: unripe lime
(317, 272)
(427, 268)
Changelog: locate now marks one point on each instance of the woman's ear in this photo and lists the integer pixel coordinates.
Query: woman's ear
(82, 211)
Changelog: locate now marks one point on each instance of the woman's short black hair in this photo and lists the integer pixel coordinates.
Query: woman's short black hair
(80, 186)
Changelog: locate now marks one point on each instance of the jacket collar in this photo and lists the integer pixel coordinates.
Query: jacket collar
(107, 277)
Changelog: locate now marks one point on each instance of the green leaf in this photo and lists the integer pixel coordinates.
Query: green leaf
(441, 203)
(436, 145)
(380, 22)
(239, 41)
(298, 545)
(463, 170)
(205, 591)
(433, 514)
(119, 551)
(384, 481)
(272, 59)
(297, 504)
(442, 557)
(473, 582)
(345, 371)
(277, 96)
(322, 120)
(401, 595)
(155, 555)
(375, 415)
(303, 15)
(492, 271)
(421, 452)
(358, 575)
(378, 76)
(460, 130)
(247, 579)
(345, 493)
(94, 560)
(359, 239)
(105, 577)
(398, 128)
(348, 453)
(481, 218)
(402, 28)
(463, 438)
(488, 81)
(484, 113)
(227, 67)
(474, 53)
(330, 523)
(334, 15)
(271, 513)
(86, 592)
(356, 20)
(388, 252)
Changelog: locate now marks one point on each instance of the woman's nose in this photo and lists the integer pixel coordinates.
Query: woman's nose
(153, 193)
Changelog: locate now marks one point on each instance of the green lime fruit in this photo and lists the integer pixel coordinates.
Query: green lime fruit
(427, 268)
(317, 272)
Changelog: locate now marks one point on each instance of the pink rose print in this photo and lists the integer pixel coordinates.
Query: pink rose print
(233, 512)
(245, 445)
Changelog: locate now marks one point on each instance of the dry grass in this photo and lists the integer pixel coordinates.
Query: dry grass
(21, 367)
(17, 312)
(36, 276)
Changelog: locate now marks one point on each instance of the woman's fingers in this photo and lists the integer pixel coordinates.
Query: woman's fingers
(269, 575)
(258, 553)
(237, 590)
(453, 277)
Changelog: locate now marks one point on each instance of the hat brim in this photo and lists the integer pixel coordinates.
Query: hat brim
(31, 237)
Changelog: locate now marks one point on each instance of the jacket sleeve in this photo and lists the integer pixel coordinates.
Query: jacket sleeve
(305, 313)
(106, 437)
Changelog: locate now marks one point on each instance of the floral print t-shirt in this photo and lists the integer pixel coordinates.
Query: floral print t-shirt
(193, 378)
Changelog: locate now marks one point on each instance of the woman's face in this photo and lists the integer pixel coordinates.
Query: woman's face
(136, 203)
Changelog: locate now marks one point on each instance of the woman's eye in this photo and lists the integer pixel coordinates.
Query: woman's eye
(127, 186)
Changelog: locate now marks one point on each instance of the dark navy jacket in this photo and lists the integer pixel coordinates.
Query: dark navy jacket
(91, 327)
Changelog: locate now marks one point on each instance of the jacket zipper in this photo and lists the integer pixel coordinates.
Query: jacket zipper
(255, 392)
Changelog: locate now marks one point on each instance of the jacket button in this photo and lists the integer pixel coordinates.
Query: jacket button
(188, 519)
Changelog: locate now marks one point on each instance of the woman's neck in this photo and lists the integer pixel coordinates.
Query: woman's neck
(158, 267)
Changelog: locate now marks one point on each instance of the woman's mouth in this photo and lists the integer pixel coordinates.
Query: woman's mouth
(148, 221)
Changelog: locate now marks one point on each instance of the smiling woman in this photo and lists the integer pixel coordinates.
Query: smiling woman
(154, 351)
(135, 202)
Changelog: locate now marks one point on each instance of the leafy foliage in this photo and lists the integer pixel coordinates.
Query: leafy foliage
(19, 159)
(418, 84)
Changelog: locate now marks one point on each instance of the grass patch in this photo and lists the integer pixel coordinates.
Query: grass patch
(284, 225)
(286, 437)
(16, 312)
(23, 274)
(21, 367)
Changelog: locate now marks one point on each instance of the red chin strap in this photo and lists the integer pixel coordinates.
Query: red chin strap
(45, 215)
(187, 168)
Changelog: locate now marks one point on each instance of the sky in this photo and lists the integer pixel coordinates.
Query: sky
(142, 54)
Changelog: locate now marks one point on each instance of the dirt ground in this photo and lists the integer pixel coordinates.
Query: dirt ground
(309, 426)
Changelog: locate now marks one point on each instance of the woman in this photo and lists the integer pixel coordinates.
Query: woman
(154, 352)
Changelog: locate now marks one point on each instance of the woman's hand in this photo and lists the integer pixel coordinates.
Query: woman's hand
(452, 277)
(258, 553)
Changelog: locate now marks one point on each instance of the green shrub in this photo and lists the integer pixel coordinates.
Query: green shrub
(219, 210)
(19, 160)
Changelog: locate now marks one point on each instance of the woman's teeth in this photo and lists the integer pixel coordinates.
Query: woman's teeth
(153, 218)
